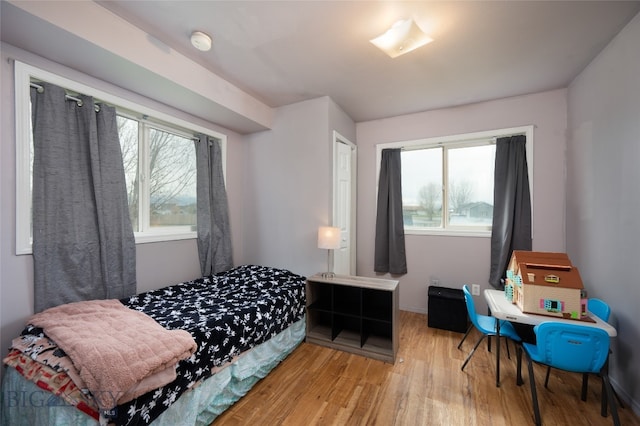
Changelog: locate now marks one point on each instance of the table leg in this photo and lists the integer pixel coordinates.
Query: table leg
(497, 353)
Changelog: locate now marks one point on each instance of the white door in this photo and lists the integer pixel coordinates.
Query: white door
(344, 179)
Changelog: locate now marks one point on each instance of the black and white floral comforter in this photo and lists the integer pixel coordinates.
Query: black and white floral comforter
(227, 314)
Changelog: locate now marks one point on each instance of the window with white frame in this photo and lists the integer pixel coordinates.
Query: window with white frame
(447, 182)
(158, 155)
(161, 184)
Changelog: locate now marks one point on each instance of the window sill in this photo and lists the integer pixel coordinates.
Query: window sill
(448, 233)
(156, 238)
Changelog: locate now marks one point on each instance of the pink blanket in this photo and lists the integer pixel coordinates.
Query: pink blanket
(113, 347)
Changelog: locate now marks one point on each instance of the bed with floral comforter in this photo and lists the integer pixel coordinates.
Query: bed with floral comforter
(227, 314)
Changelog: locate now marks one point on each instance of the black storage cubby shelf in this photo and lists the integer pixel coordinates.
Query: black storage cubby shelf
(354, 314)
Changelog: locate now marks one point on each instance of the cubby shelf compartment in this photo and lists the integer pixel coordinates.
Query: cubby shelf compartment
(354, 314)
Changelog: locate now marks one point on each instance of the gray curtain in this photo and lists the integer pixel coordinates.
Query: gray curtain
(214, 232)
(390, 255)
(511, 205)
(83, 243)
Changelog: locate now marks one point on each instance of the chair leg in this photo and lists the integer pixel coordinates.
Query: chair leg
(546, 379)
(610, 398)
(603, 399)
(585, 386)
(620, 402)
(603, 409)
(604, 403)
(472, 351)
(534, 395)
(506, 342)
(519, 380)
(465, 335)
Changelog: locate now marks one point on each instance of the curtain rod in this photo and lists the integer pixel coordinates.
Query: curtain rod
(79, 102)
(68, 97)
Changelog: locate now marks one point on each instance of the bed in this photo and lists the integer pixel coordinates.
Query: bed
(243, 322)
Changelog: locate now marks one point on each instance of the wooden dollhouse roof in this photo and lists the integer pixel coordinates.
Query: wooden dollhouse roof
(545, 269)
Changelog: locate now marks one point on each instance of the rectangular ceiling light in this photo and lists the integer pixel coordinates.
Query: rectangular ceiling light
(403, 37)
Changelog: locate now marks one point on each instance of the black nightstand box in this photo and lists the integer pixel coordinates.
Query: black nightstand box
(447, 309)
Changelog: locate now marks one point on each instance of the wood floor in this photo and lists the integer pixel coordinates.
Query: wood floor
(319, 386)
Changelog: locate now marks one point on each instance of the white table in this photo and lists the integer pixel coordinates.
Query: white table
(503, 309)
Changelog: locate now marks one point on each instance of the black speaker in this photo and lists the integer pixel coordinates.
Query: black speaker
(446, 309)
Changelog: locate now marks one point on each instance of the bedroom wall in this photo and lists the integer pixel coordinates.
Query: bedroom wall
(158, 264)
(603, 196)
(455, 261)
(288, 185)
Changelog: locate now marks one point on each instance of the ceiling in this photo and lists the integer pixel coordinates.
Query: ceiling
(282, 52)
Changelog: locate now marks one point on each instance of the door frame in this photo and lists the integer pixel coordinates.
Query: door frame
(338, 138)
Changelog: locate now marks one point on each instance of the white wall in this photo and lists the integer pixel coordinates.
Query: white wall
(288, 186)
(455, 261)
(603, 193)
(158, 264)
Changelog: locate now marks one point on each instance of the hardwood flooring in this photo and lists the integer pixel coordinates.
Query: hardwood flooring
(320, 386)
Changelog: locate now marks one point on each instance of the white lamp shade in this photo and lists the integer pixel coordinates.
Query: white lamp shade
(328, 237)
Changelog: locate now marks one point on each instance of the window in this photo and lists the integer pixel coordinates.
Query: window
(447, 183)
(161, 186)
(448, 186)
(158, 155)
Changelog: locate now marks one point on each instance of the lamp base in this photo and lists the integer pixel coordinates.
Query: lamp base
(329, 267)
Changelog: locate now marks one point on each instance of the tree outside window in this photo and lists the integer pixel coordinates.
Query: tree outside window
(161, 186)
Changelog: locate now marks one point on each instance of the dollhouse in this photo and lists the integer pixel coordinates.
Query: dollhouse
(545, 283)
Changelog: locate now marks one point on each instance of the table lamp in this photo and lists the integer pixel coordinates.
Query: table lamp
(329, 239)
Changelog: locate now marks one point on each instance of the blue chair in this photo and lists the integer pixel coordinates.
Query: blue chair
(602, 310)
(486, 325)
(569, 347)
(599, 308)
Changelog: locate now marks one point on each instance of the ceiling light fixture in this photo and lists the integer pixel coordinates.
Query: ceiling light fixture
(403, 37)
(201, 41)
